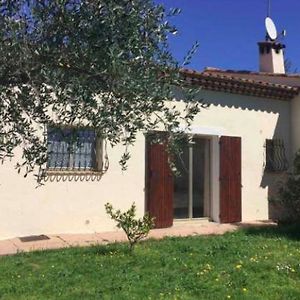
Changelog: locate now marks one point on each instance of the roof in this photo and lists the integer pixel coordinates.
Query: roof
(245, 83)
(246, 72)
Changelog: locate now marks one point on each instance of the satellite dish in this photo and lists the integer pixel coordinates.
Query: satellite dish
(271, 28)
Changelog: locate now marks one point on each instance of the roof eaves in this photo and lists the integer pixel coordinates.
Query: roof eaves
(229, 84)
(247, 72)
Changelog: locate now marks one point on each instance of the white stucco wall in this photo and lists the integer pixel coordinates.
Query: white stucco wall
(78, 206)
(272, 62)
(295, 124)
(254, 120)
(69, 206)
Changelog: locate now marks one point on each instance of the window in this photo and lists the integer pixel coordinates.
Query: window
(72, 149)
(275, 156)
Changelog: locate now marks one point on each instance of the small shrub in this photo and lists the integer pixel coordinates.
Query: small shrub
(135, 229)
(289, 194)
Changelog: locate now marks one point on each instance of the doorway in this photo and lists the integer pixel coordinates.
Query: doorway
(203, 161)
(192, 184)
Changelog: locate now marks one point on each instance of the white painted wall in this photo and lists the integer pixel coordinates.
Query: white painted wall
(69, 206)
(78, 206)
(272, 62)
(295, 124)
(254, 120)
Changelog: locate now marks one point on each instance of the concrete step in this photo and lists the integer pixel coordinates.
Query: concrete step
(191, 222)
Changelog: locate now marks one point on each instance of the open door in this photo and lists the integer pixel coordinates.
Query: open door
(159, 183)
(230, 180)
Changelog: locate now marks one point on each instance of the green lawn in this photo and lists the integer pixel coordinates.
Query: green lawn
(248, 264)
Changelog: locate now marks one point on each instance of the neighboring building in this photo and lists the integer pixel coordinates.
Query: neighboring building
(242, 146)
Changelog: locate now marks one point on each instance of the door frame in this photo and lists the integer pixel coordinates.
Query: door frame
(207, 180)
(214, 210)
(213, 182)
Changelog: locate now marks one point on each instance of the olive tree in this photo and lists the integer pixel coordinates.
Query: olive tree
(104, 64)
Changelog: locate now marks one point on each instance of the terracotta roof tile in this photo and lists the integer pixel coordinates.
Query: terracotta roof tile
(216, 80)
(241, 72)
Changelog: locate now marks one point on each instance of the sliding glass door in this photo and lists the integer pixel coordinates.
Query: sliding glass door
(191, 186)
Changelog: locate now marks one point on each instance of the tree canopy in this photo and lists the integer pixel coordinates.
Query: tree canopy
(104, 64)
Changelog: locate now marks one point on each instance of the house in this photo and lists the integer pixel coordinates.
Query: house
(241, 147)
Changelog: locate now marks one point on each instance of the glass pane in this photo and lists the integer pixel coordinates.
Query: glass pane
(84, 156)
(181, 185)
(71, 148)
(198, 177)
(58, 148)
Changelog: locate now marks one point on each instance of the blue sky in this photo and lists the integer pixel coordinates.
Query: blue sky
(228, 31)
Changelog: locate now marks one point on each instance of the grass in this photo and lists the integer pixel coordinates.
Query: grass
(247, 264)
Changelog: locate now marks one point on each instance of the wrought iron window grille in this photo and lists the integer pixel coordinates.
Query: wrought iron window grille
(276, 160)
(72, 149)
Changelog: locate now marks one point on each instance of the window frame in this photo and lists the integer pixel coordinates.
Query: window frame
(72, 166)
(276, 160)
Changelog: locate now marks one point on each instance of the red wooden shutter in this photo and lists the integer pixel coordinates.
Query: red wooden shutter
(159, 185)
(230, 180)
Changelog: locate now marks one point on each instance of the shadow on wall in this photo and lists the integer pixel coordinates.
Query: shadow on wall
(273, 181)
(243, 102)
